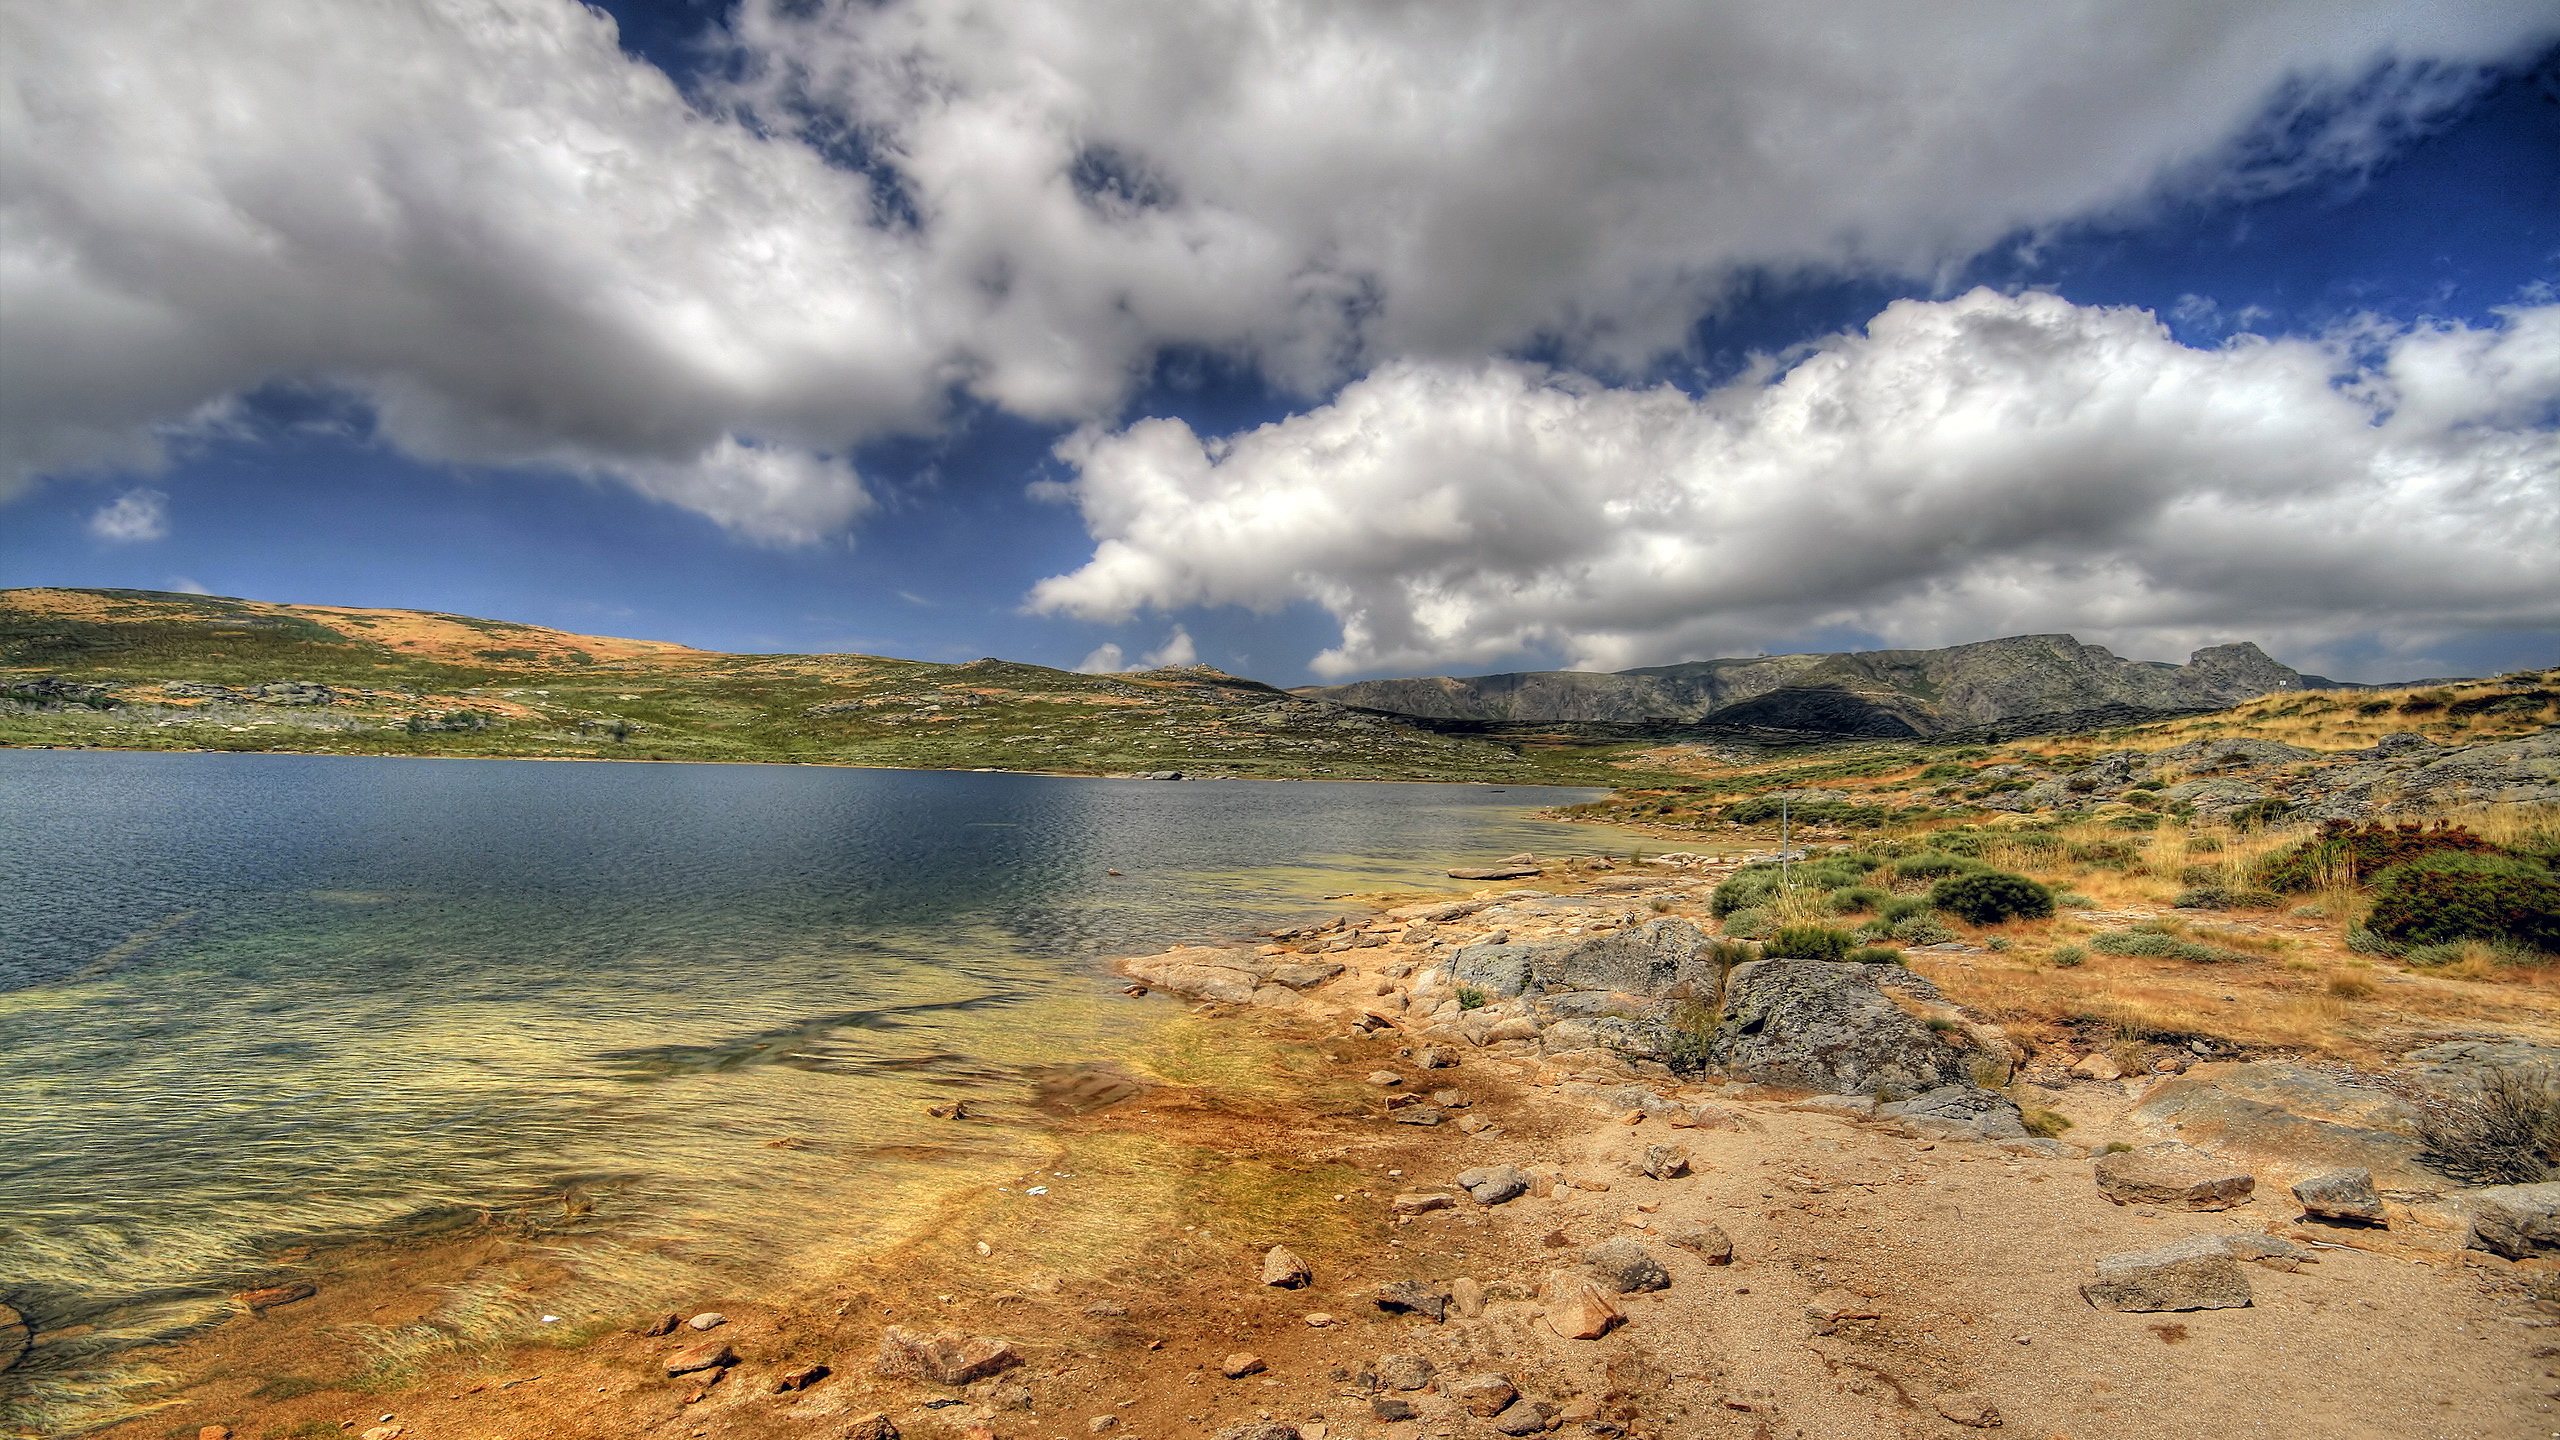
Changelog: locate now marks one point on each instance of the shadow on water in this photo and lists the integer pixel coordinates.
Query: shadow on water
(246, 1001)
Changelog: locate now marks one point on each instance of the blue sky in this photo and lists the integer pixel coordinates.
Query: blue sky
(706, 380)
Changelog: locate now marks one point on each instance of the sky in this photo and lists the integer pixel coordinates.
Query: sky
(1312, 339)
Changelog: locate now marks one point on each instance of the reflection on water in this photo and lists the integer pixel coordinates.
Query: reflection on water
(250, 998)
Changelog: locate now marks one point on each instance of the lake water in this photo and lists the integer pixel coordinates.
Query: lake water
(252, 999)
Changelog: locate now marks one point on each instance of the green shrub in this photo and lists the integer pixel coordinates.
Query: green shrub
(2134, 822)
(1992, 896)
(2044, 1124)
(2203, 845)
(1959, 842)
(1749, 888)
(2357, 853)
(2199, 875)
(2102, 852)
(1855, 899)
(2457, 896)
(2074, 900)
(2222, 897)
(2269, 811)
(1470, 998)
(1934, 864)
(1874, 955)
(1750, 924)
(2038, 841)
(1922, 930)
(2068, 956)
(1808, 942)
(1763, 810)
(2161, 945)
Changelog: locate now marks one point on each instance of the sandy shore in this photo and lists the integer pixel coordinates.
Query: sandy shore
(1880, 1281)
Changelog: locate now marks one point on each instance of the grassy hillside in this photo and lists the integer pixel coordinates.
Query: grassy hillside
(150, 670)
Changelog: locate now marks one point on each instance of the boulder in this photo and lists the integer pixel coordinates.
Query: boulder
(1648, 961)
(1483, 1396)
(2341, 1195)
(945, 1359)
(1576, 1307)
(2197, 1273)
(1820, 1025)
(2517, 1221)
(1709, 1241)
(707, 1320)
(1959, 1112)
(2269, 1250)
(1666, 1162)
(1494, 1184)
(1468, 1296)
(1286, 1270)
(2295, 1116)
(2172, 1174)
(1407, 1297)
(2098, 1065)
(1626, 1267)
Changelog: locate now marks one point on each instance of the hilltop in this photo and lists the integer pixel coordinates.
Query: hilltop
(139, 669)
(2053, 680)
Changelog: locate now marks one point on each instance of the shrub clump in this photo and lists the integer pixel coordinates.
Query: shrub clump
(1750, 923)
(1934, 865)
(2161, 945)
(2357, 853)
(2455, 896)
(2504, 1131)
(1991, 896)
(1855, 899)
(1921, 930)
(2222, 897)
(1808, 942)
(1874, 955)
(2068, 956)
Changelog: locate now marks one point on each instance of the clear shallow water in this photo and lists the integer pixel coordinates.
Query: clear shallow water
(246, 999)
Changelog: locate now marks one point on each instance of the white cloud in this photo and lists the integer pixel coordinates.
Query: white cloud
(1105, 659)
(186, 586)
(524, 248)
(1177, 649)
(1978, 466)
(133, 517)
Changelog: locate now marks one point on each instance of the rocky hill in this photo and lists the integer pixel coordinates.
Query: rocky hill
(1882, 693)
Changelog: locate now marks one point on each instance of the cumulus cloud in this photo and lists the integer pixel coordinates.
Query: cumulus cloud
(1177, 649)
(1110, 659)
(1103, 659)
(524, 248)
(1976, 466)
(134, 516)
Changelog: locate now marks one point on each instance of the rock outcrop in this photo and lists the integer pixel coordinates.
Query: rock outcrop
(2197, 1273)
(1819, 1025)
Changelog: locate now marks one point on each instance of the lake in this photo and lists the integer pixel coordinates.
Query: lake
(252, 1000)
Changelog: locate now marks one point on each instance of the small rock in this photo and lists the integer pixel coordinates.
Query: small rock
(800, 1379)
(1966, 1408)
(1410, 1298)
(1577, 1309)
(1830, 1307)
(1100, 1423)
(1007, 1397)
(707, 1320)
(2097, 1065)
(1436, 1057)
(383, 1432)
(1494, 1184)
(1384, 1078)
(1525, 1417)
(1415, 1203)
(1474, 1124)
(2197, 1273)
(1417, 1115)
(1712, 1244)
(2341, 1195)
(268, 1297)
(1666, 1162)
(1281, 1268)
(709, 1355)
(1241, 1364)
(1625, 1266)
(1468, 1296)
(2171, 1173)
(945, 1359)
(1450, 1099)
(1712, 1116)
(214, 1432)
(1485, 1395)
(1391, 1409)
(663, 1325)
(1403, 1372)
(1318, 1319)
(874, 1426)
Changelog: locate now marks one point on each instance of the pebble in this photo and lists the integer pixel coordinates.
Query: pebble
(707, 1320)
(1241, 1364)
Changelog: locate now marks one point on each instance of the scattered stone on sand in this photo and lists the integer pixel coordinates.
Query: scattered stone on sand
(1391, 1410)
(708, 1355)
(2341, 1195)
(874, 1426)
(1403, 1372)
(1494, 1184)
(1435, 1057)
(1417, 1115)
(1318, 1319)
(1450, 1099)
(1524, 1417)
(2516, 1221)
(1101, 1423)
(800, 1378)
(2197, 1273)
(707, 1320)
(1968, 1409)
(1416, 1203)
(270, 1296)
(947, 1359)
(1407, 1297)
(1829, 1307)
(2172, 1174)
(1282, 1268)
(1472, 1124)
(2271, 1251)
(1709, 1241)
(383, 1432)
(1483, 1396)
(1576, 1307)
(1666, 1162)
(213, 1432)
(1385, 1078)
(2098, 1065)
(663, 1325)
(1240, 1364)
(1626, 1267)
(1468, 1296)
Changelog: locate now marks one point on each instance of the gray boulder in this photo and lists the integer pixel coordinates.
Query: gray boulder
(1818, 1025)
(2197, 1273)
(1494, 1184)
(1959, 1112)
(2517, 1221)
(2341, 1195)
(1649, 961)
(1625, 1267)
